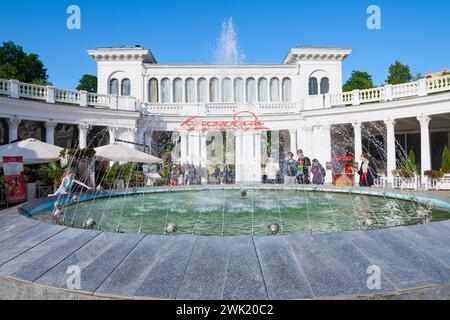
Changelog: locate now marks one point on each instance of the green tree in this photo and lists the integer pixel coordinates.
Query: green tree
(88, 83)
(445, 160)
(358, 80)
(18, 65)
(399, 73)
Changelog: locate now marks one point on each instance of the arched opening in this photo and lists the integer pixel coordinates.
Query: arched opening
(114, 86)
(227, 90)
(189, 90)
(239, 90)
(165, 90)
(126, 87)
(177, 90)
(262, 90)
(313, 86)
(214, 90)
(153, 90)
(250, 90)
(286, 90)
(274, 90)
(324, 85)
(202, 89)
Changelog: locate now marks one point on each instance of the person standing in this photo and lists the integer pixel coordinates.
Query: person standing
(318, 172)
(290, 169)
(303, 168)
(367, 172)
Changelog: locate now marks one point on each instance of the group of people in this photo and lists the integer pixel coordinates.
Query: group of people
(301, 170)
(189, 174)
(304, 171)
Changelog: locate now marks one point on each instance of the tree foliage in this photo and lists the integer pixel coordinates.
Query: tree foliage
(399, 73)
(88, 83)
(445, 160)
(358, 80)
(18, 65)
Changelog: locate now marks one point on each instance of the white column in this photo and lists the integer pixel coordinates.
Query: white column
(424, 121)
(83, 130)
(112, 134)
(293, 138)
(390, 152)
(13, 125)
(358, 145)
(203, 158)
(50, 132)
(238, 155)
(184, 147)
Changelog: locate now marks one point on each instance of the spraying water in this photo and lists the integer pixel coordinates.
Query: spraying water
(227, 51)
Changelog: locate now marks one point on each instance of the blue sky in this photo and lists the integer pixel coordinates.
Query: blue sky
(414, 32)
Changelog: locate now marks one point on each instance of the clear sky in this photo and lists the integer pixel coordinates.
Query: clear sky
(414, 32)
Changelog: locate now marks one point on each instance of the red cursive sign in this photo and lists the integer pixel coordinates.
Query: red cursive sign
(193, 123)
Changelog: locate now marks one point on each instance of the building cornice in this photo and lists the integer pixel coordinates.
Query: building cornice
(316, 54)
(122, 54)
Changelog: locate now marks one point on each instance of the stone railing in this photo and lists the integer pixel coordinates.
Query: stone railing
(50, 94)
(420, 88)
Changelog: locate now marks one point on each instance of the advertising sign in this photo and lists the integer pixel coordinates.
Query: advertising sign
(14, 179)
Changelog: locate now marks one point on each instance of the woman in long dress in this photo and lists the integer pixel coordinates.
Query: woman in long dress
(67, 183)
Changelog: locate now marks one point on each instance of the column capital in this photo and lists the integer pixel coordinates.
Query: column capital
(14, 122)
(50, 124)
(424, 120)
(356, 124)
(83, 127)
(390, 123)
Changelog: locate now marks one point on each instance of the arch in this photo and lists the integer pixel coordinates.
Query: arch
(239, 95)
(286, 91)
(262, 90)
(202, 90)
(313, 86)
(113, 86)
(324, 85)
(227, 90)
(165, 90)
(153, 90)
(250, 90)
(214, 90)
(125, 88)
(189, 93)
(177, 90)
(274, 90)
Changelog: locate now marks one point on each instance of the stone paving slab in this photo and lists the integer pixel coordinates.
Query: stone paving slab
(165, 278)
(244, 279)
(282, 275)
(332, 265)
(40, 259)
(206, 272)
(96, 260)
(26, 240)
(443, 227)
(403, 264)
(128, 276)
(10, 230)
(10, 218)
(427, 238)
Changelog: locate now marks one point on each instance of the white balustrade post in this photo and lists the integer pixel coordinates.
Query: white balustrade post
(83, 98)
(422, 87)
(13, 126)
(390, 152)
(50, 132)
(50, 94)
(14, 85)
(356, 101)
(83, 130)
(388, 93)
(358, 143)
(424, 121)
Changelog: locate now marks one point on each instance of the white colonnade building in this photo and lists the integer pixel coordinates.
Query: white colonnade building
(297, 104)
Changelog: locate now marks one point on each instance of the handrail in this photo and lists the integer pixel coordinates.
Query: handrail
(50, 94)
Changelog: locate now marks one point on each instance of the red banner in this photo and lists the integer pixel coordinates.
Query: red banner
(14, 179)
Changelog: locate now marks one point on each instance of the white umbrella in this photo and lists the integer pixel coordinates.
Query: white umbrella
(120, 153)
(33, 151)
